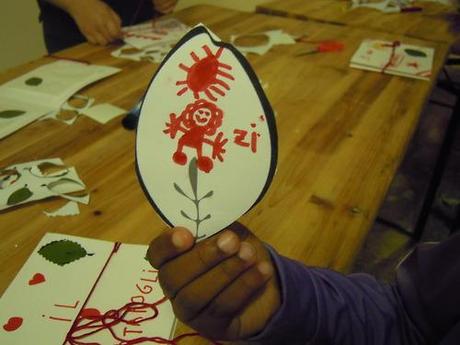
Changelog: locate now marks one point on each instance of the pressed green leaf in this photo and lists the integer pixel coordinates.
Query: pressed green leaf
(19, 195)
(208, 195)
(179, 190)
(186, 215)
(9, 114)
(415, 52)
(34, 81)
(193, 176)
(63, 252)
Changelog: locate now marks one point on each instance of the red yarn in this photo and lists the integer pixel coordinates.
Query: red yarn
(393, 46)
(89, 321)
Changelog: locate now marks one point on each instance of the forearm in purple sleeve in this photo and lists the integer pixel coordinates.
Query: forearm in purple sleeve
(320, 306)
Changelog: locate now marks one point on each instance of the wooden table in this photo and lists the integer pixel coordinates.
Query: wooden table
(434, 23)
(342, 133)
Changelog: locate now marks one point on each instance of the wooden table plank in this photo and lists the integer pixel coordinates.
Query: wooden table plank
(342, 133)
(434, 23)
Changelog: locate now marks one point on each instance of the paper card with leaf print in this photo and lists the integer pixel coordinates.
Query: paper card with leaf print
(394, 58)
(43, 90)
(27, 182)
(206, 153)
(64, 294)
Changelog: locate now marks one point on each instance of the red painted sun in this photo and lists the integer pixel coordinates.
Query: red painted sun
(205, 75)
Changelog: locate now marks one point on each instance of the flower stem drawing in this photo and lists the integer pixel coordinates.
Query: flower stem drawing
(193, 177)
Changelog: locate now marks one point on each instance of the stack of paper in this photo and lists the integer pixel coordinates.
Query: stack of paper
(74, 289)
(151, 41)
(394, 58)
(43, 90)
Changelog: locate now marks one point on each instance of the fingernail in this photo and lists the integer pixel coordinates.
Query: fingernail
(246, 252)
(227, 243)
(265, 268)
(177, 240)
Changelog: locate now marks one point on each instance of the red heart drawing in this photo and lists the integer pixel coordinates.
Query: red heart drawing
(90, 313)
(13, 324)
(38, 278)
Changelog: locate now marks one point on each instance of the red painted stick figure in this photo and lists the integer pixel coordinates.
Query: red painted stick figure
(199, 121)
(205, 75)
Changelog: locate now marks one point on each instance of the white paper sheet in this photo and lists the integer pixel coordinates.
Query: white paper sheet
(52, 291)
(104, 112)
(69, 209)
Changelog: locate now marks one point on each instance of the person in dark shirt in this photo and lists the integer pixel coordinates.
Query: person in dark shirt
(234, 287)
(70, 22)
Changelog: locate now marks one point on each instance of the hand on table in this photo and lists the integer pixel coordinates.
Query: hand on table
(164, 6)
(96, 21)
(225, 287)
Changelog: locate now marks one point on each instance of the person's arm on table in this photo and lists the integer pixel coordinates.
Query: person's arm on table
(96, 20)
(277, 300)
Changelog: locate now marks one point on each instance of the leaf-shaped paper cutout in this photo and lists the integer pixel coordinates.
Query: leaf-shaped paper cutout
(8, 177)
(34, 81)
(415, 52)
(63, 252)
(56, 186)
(9, 114)
(193, 176)
(52, 169)
(19, 195)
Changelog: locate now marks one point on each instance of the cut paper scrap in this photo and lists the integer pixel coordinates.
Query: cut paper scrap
(161, 31)
(32, 181)
(69, 209)
(104, 112)
(206, 153)
(394, 58)
(71, 109)
(43, 91)
(69, 283)
(266, 40)
(153, 54)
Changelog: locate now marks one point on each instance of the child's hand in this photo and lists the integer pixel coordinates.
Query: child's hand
(96, 20)
(225, 287)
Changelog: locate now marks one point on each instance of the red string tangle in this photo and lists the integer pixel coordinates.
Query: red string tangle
(393, 46)
(89, 321)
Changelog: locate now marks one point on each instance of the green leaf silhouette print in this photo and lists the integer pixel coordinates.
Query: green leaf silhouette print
(63, 252)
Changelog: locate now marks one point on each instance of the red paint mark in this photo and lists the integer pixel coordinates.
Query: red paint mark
(205, 75)
(59, 319)
(89, 314)
(70, 306)
(198, 122)
(38, 278)
(240, 138)
(391, 60)
(330, 46)
(126, 331)
(413, 64)
(13, 323)
(262, 118)
(253, 125)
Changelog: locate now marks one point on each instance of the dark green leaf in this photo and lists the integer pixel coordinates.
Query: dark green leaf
(62, 252)
(9, 114)
(186, 215)
(415, 53)
(208, 195)
(34, 81)
(193, 176)
(180, 191)
(18, 196)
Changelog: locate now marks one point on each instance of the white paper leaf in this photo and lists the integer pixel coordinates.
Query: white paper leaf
(206, 140)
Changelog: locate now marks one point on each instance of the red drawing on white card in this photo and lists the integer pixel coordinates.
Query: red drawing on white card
(38, 278)
(13, 324)
(206, 75)
(198, 123)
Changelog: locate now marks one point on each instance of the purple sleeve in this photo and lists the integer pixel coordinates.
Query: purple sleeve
(320, 306)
